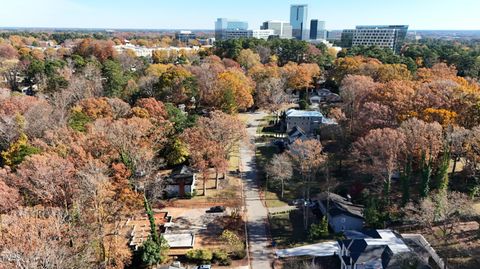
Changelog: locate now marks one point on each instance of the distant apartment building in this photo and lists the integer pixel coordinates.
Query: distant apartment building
(230, 29)
(317, 30)
(281, 29)
(263, 34)
(384, 36)
(298, 20)
(185, 36)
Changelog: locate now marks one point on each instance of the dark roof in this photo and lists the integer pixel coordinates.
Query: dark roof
(181, 173)
(340, 205)
(296, 129)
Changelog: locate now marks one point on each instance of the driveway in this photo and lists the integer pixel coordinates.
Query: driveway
(257, 215)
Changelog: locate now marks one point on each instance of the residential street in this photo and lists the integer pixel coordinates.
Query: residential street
(261, 256)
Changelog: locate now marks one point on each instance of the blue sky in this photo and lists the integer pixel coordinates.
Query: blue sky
(200, 14)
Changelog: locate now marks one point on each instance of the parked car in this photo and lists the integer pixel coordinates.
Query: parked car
(297, 202)
(205, 266)
(216, 209)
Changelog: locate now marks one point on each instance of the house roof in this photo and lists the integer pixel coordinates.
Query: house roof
(340, 205)
(377, 248)
(303, 113)
(182, 173)
(180, 240)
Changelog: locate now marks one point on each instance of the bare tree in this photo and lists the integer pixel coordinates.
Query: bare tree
(440, 212)
(281, 169)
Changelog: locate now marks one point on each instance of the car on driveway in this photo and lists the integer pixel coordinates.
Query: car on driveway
(297, 202)
(216, 209)
(205, 266)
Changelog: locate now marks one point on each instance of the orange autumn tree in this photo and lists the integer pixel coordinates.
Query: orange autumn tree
(235, 90)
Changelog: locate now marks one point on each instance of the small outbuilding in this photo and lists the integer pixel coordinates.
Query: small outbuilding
(181, 182)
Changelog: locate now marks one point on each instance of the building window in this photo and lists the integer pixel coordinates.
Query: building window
(343, 220)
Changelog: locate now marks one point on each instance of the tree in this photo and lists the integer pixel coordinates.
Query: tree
(356, 91)
(35, 238)
(116, 80)
(300, 77)
(308, 158)
(47, 179)
(236, 91)
(18, 151)
(248, 59)
(424, 142)
(270, 94)
(379, 154)
(9, 197)
(150, 252)
(280, 168)
(441, 211)
(176, 85)
(211, 142)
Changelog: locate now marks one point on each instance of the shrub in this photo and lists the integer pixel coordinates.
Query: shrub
(319, 231)
(199, 255)
(239, 254)
(221, 257)
(303, 104)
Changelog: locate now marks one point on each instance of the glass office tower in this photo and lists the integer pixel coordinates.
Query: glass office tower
(299, 21)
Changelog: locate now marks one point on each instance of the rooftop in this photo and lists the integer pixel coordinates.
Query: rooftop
(303, 113)
(340, 205)
(181, 240)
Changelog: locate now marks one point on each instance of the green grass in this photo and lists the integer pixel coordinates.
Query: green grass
(273, 200)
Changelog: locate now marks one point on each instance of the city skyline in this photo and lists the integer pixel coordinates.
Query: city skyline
(189, 14)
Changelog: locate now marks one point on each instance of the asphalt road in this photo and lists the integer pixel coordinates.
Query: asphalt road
(260, 255)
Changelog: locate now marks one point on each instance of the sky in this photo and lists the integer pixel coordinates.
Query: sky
(201, 14)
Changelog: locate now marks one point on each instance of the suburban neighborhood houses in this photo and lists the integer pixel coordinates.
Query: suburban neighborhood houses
(282, 144)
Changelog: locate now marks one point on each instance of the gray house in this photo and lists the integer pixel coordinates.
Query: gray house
(308, 121)
(342, 214)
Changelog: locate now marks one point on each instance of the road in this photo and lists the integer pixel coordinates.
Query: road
(257, 215)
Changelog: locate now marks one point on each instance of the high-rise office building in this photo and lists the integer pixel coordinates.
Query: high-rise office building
(227, 29)
(317, 30)
(298, 20)
(280, 28)
(384, 36)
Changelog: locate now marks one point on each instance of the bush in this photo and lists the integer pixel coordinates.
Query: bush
(221, 257)
(319, 231)
(199, 255)
(239, 254)
(303, 104)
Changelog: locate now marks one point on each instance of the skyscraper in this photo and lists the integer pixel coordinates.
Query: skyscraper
(298, 20)
(317, 30)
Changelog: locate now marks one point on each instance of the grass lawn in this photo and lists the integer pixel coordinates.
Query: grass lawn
(273, 200)
(476, 207)
(287, 229)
